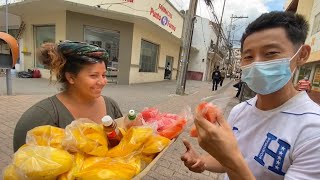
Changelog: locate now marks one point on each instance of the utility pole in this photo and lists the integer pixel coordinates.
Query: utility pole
(233, 19)
(219, 32)
(8, 71)
(187, 38)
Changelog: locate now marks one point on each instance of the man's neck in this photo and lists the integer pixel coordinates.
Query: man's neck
(276, 99)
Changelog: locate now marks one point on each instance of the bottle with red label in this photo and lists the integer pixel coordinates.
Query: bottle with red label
(112, 131)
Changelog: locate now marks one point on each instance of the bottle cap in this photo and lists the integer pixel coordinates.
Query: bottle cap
(132, 114)
(107, 120)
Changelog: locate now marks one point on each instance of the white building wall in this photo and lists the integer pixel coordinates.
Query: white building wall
(202, 35)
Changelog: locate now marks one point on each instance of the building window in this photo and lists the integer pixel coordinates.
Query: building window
(316, 24)
(148, 57)
(43, 34)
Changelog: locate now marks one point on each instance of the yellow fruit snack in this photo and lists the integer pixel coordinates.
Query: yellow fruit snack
(85, 136)
(131, 142)
(42, 162)
(11, 173)
(155, 144)
(76, 167)
(45, 136)
(108, 169)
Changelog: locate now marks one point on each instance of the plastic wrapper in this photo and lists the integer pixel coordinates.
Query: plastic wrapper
(168, 125)
(45, 136)
(86, 136)
(207, 111)
(131, 142)
(99, 168)
(39, 162)
(155, 144)
(11, 173)
(77, 165)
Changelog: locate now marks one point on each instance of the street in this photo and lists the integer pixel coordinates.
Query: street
(158, 94)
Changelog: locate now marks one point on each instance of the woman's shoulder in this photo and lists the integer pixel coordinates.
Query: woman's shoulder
(109, 100)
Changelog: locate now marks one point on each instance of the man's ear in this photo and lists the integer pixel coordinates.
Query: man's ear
(303, 55)
(70, 78)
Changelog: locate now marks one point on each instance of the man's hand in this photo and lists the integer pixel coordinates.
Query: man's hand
(218, 140)
(192, 159)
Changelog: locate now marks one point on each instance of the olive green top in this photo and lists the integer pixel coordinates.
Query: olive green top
(51, 111)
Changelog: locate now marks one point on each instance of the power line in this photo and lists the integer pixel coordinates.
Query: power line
(124, 4)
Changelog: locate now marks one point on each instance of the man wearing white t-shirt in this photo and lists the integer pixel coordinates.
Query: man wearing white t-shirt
(275, 135)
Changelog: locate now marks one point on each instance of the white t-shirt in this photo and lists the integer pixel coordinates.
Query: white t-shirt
(283, 143)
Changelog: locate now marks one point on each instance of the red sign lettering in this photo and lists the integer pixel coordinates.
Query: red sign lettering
(165, 22)
(155, 14)
(163, 9)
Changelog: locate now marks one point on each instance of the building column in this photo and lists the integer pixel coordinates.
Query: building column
(296, 76)
(313, 69)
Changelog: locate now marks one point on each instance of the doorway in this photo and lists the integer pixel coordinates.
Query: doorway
(168, 67)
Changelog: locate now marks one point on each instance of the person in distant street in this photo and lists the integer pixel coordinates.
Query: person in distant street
(216, 77)
(304, 85)
(223, 75)
(167, 71)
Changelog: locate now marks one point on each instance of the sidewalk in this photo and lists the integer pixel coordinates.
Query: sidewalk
(160, 95)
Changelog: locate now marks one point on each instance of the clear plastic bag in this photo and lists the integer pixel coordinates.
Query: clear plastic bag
(155, 144)
(46, 136)
(77, 165)
(100, 168)
(168, 125)
(38, 162)
(131, 142)
(84, 135)
(207, 111)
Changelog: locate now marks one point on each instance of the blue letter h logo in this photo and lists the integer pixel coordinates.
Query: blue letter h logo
(277, 156)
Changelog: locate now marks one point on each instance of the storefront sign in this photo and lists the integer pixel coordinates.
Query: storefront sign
(163, 9)
(164, 20)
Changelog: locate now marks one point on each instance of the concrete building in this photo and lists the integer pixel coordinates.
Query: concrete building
(142, 37)
(311, 10)
(202, 61)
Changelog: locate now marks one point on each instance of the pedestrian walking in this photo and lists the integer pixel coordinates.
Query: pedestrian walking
(216, 77)
(223, 75)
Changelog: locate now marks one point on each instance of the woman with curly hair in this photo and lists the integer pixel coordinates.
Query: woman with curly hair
(81, 69)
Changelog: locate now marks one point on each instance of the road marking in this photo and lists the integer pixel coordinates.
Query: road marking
(205, 98)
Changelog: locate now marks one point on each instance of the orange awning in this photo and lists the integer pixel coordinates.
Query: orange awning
(13, 44)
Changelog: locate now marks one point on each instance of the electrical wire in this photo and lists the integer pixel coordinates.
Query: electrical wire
(124, 4)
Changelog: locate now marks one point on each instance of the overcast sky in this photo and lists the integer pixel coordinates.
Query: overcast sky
(250, 8)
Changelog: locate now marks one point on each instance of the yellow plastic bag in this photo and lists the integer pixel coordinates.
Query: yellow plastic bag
(45, 136)
(42, 162)
(99, 168)
(76, 167)
(155, 144)
(131, 142)
(86, 136)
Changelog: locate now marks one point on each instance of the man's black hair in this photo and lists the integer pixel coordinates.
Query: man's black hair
(295, 26)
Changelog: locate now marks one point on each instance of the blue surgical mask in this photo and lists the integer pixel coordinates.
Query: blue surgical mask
(268, 76)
